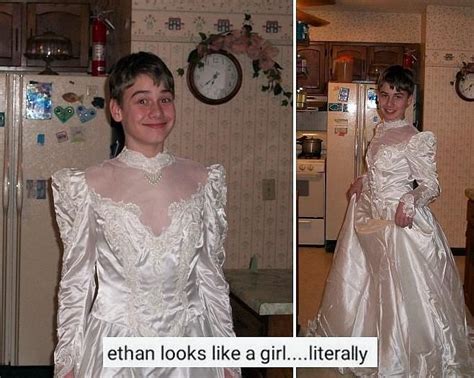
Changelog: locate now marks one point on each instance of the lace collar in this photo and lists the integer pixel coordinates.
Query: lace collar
(152, 165)
(395, 124)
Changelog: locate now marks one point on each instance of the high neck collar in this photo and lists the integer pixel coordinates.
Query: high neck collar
(395, 124)
(137, 160)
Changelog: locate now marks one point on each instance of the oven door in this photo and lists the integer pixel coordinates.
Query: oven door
(311, 209)
(311, 195)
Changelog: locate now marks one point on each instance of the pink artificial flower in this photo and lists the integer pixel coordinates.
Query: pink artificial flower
(217, 43)
(239, 45)
(266, 63)
(268, 50)
(255, 47)
(202, 49)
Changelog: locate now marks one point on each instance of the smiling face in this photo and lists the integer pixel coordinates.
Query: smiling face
(392, 102)
(147, 114)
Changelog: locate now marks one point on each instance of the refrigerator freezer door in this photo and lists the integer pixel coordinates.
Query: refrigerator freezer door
(343, 100)
(44, 150)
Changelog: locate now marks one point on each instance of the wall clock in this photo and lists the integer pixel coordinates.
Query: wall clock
(464, 83)
(217, 79)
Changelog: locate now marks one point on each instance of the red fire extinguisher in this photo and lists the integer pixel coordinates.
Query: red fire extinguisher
(99, 37)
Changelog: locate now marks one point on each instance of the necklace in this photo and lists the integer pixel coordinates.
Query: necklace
(151, 167)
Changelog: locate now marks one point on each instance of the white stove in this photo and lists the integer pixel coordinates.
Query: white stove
(310, 167)
(310, 186)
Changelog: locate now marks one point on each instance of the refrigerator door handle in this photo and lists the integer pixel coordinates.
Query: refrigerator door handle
(19, 166)
(6, 183)
(19, 188)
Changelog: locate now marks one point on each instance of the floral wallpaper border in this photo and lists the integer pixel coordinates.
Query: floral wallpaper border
(283, 7)
(448, 58)
(172, 26)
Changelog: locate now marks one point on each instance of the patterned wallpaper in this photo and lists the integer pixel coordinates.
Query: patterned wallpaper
(449, 42)
(251, 135)
(367, 27)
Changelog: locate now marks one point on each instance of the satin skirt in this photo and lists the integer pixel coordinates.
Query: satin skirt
(401, 285)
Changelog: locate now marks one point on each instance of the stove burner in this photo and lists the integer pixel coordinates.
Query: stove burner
(303, 155)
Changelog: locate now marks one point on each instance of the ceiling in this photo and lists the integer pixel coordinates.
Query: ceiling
(395, 6)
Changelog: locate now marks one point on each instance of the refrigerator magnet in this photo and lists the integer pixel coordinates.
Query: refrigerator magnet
(343, 94)
(85, 114)
(38, 100)
(72, 97)
(2, 119)
(372, 98)
(61, 136)
(40, 189)
(40, 138)
(64, 114)
(98, 102)
(340, 131)
(335, 107)
(77, 134)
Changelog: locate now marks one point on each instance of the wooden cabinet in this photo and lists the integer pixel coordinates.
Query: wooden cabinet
(68, 20)
(369, 58)
(357, 52)
(315, 61)
(469, 263)
(10, 34)
(313, 72)
(20, 20)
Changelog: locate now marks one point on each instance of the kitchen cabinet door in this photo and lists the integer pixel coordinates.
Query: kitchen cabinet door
(380, 57)
(314, 76)
(359, 53)
(68, 20)
(10, 34)
(387, 55)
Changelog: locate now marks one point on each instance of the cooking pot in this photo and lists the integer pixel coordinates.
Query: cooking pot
(310, 146)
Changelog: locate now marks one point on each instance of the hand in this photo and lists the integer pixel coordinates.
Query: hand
(401, 219)
(69, 375)
(212, 79)
(355, 188)
(228, 373)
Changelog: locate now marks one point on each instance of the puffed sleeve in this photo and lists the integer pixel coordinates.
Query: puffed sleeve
(213, 288)
(421, 157)
(77, 285)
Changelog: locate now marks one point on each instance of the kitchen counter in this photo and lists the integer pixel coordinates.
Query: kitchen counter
(469, 193)
(266, 291)
(262, 306)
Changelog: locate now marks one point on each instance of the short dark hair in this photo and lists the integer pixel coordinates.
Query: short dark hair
(397, 77)
(126, 70)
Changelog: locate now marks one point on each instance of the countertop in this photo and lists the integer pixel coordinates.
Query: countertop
(470, 193)
(266, 291)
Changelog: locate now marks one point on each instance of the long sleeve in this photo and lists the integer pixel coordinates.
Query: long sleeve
(421, 157)
(213, 288)
(77, 286)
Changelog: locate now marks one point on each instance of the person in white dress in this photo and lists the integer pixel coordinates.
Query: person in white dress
(393, 274)
(143, 237)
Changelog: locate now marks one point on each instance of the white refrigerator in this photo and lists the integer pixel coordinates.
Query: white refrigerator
(352, 117)
(46, 123)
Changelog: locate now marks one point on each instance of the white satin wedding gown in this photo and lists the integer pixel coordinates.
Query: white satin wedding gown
(399, 284)
(143, 254)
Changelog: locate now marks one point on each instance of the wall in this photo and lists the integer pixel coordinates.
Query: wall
(251, 135)
(449, 42)
(367, 27)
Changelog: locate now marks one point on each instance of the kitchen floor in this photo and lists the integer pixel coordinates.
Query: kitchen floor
(313, 268)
